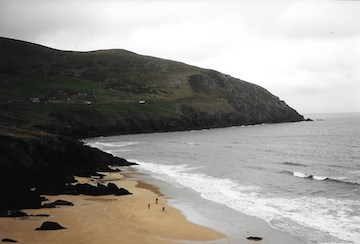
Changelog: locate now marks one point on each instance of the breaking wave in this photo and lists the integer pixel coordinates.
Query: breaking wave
(302, 216)
(340, 180)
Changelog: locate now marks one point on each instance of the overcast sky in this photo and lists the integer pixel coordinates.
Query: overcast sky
(305, 52)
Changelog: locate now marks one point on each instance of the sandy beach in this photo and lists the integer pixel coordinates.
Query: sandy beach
(110, 219)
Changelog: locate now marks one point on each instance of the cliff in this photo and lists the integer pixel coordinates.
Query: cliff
(49, 97)
(83, 94)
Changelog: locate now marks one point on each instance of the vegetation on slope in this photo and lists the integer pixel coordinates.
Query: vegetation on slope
(117, 91)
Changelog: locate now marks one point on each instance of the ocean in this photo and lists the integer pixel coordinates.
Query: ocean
(302, 178)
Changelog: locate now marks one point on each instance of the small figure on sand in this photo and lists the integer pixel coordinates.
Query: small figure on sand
(163, 209)
(156, 201)
(148, 205)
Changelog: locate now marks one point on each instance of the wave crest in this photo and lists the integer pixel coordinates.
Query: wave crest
(321, 178)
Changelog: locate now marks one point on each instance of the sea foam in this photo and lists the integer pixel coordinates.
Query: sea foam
(112, 147)
(319, 219)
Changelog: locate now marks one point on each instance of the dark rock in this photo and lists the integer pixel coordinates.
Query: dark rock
(14, 194)
(39, 215)
(110, 170)
(254, 238)
(12, 213)
(18, 214)
(8, 240)
(309, 120)
(48, 225)
(122, 191)
(63, 203)
(111, 187)
(57, 203)
(48, 205)
(34, 164)
(85, 189)
(100, 189)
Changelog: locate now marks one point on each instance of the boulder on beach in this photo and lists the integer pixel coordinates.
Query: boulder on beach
(63, 203)
(8, 240)
(48, 225)
(254, 238)
(39, 215)
(57, 203)
(48, 205)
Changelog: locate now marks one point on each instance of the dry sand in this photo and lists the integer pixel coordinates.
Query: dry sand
(110, 219)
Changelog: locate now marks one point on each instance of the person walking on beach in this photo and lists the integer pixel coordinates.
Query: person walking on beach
(163, 209)
(148, 205)
(156, 201)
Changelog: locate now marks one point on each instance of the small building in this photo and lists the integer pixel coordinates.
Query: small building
(35, 99)
(142, 102)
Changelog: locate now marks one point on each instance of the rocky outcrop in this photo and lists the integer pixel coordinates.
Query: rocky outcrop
(34, 163)
(100, 189)
(48, 225)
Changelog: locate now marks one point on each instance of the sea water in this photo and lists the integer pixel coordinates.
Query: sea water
(302, 178)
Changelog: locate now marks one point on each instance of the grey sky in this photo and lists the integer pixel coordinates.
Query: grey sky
(305, 52)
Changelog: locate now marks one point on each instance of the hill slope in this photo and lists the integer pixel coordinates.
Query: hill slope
(103, 92)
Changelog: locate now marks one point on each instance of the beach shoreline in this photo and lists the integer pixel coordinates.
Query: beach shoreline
(136, 218)
(109, 219)
(236, 226)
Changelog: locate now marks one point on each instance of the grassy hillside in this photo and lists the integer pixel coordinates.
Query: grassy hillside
(117, 91)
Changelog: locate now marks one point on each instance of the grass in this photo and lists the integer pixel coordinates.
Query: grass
(41, 85)
(36, 113)
(19, 89)
(39, 113)
(44, 86)
(164, 109)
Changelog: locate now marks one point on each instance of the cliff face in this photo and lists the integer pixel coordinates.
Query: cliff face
(38, 163)
(118, 92)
